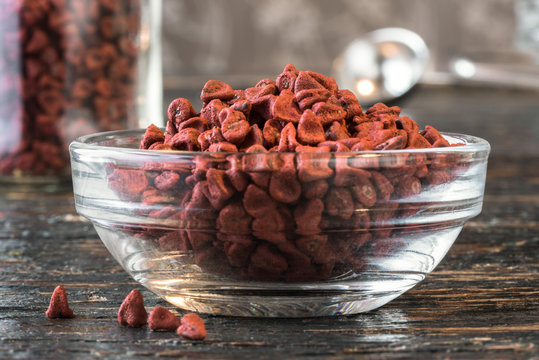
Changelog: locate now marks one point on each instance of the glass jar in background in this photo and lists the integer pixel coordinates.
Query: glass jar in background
(70, 68)
(527, 27)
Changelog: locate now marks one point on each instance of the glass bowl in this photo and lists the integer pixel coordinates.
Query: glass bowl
(277, 234)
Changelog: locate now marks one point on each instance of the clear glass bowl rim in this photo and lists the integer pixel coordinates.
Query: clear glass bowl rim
(472, 144)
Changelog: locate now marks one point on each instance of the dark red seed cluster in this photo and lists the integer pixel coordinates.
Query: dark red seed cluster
(191, 326)
(133, 314)
(67, 68)
(301, 111)
(276, 193)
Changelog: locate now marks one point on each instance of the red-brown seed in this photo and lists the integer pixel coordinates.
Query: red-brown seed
(174, 240)
(254, 94)
(192, 327)
(186, 139)
(162, 319)
(197, 122)
(291, 67)
(212, 110)
(313, 166)
(310, 130)
(305, 81)
(233, 219)
(345, 175)
(328, 113)
(152, 135)
(235, 174)
(234, 126)
(335, 146)
(272, 221)
(58, 306)
(326, 81)
(271, 133)
(238, 248)
(379, 108)
(408, 186)
(383, 185)
(82, 89)
(167, 180)
(406, 124)
(262, 107)
(349, 103)
(286, 81)
(337, 131)
(220, 190)
(339, 202)
(265, 82)
(417, 141)
(243, 106)
(377, 137)
(364, 192)
(132, 312)
(285, 108)
(153, 196)
(288, 140)
(312, 244)
(397, 142)
(215, 89)
(130, 184)
(269, 260)
(257, 201)
(308, 216)
(223, 146)
(440, 143)
(315, 189)
(284, 186)
(437, 177)
(200, 239)
(253, 138)
(170, 130)
(307, 98)
(180, 110)
(431, 134)
(239, 95)
(210, 137)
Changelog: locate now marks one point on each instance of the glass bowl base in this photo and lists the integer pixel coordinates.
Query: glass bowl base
(174, 276)
(353, 297)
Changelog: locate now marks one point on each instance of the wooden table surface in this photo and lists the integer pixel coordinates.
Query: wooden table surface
(481, 302)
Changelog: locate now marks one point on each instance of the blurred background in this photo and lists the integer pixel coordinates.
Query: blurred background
(241, 41)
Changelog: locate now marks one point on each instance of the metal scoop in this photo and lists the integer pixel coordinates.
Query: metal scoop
(382, 65)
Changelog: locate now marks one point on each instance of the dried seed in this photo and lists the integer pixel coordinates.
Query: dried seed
(58, 306)
(132, 312)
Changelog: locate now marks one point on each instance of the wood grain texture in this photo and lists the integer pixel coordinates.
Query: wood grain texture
(481, 302)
